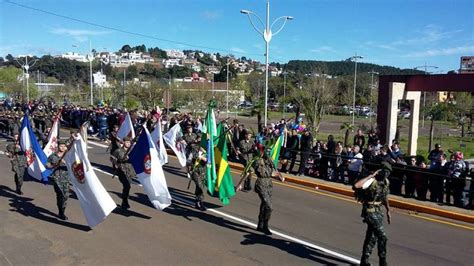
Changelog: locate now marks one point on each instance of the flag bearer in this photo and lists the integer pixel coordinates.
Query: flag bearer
(60, 178)
(18, 161)
(125, 170)
(265, 170)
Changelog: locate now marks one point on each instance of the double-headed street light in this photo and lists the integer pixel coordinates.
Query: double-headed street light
(354, 58)
(26, 66)
(267, 36)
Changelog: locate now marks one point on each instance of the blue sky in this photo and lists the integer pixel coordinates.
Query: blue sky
(402, 33)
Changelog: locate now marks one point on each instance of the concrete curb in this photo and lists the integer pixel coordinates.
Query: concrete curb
(393, 202)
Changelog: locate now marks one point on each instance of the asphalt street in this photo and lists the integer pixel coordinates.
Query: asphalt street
(309, 227)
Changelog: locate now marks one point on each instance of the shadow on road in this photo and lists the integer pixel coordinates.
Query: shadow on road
(293, 248)
(24, 206)
(175, 170)
(129, 213)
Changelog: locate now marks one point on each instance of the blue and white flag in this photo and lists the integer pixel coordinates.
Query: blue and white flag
(145, 161)
(35, 157)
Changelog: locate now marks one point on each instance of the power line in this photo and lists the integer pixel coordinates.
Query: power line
(129, 32)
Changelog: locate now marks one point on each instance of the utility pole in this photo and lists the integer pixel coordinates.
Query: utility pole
(123, 88)
(227, 88)
(372, 86)
(284, 93)
(425, 67)
(91, 58)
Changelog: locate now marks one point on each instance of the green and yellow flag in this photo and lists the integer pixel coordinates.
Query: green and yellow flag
(224, 186)
(275, 151)
(209, 132)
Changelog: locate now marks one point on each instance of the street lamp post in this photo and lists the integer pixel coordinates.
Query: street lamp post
(227, 88)
(26, 66)
(354, 58)
(284, 93)
(372, 86)
(425, 67)
(267, 35)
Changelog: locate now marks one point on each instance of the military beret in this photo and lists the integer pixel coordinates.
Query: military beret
(126, 139)
(62, 142)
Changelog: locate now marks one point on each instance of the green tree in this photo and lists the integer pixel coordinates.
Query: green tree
(314, 99)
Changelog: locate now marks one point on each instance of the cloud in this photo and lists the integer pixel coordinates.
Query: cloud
(429, 34)
(443, 52)
(211, 14)
(323, 49)
(78, 34)
(373, 44)
(238, 50)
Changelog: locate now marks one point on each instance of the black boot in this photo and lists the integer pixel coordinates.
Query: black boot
(201, 206)
(260, 225)
(364, 261)
(383, 261)
(62, 216)
(265, 229)
(125, 205)
(18, 189)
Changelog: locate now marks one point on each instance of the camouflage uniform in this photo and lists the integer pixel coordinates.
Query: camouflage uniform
(198, 175)
(125, 174)
(246, 148)
(60, 181)
(374, 197)
(190, 139)
(18, 161)
(263, 186)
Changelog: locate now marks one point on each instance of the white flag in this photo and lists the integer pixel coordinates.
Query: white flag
(157, 137)
(126, 129)
(52, 145)
(144, 158)
(176, 143)
(95, 202)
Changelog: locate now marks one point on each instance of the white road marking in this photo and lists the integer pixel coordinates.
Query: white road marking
(288, 237)
(97, 144)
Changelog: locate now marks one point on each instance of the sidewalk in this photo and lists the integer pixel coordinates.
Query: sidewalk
(395, 201)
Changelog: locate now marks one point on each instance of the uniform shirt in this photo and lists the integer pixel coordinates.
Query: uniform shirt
(123, 163)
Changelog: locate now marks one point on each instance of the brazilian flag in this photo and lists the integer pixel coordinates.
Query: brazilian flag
(209, 132)
(275, 151)
(224, 186)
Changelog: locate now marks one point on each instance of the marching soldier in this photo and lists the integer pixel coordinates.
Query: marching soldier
(191, 141)
(18, 161)
(264, 169)
(372, 191)
(244, 151)
(60, 178)
(198, 175)
(125, 170)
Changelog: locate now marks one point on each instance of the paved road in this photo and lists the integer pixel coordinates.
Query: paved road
(309, 227)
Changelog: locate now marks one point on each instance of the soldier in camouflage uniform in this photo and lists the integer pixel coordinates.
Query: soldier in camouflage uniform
(191, 141)
(198, 175)
(60, 178)
(372, 191)
(18, 161)
(245, 150)
(125, 170)
(264, 169)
